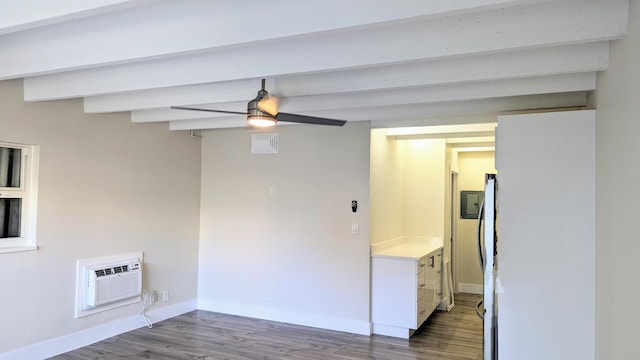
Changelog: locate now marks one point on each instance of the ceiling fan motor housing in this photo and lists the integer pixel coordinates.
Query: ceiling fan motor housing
(252, 108)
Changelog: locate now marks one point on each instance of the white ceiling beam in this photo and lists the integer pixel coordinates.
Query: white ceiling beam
(513, 28)
(410, 95)
(168, 114)
(183, 27)
(417, 111)
(20, 15)
(455, 119)
(469, 143)
(473, 118)
(462, 140)
(506, 65)
(202, 124)
(411, 111)
(459, 133)
(228, 91)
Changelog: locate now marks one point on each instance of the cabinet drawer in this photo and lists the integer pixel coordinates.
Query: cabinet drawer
(422, 288)
(437, 295)
(423, 312)
(422, 264)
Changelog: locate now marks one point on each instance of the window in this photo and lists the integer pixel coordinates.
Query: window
(18, 196)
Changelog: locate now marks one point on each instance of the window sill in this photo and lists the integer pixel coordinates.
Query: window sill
(11, 249)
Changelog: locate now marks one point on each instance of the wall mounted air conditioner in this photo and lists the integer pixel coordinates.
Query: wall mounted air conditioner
(113, 282)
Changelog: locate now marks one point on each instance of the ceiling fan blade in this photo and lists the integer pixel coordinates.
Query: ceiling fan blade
(208, 110)
(304, 119)
(269, 105)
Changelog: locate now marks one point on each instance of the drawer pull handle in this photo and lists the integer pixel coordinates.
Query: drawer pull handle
(421, 285)
(423, 265)
(422, 312)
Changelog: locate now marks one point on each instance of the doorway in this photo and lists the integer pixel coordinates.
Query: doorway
(416, 179)
(415, 192)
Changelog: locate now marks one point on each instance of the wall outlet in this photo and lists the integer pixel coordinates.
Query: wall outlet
(165, 295)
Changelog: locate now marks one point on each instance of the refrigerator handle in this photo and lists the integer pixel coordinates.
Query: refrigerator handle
(480, 217)
(479, 311)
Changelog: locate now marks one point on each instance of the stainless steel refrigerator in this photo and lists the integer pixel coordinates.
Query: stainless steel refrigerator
(487, 308)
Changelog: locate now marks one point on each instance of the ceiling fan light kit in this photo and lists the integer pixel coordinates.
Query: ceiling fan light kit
(263, 112)
(261, 121)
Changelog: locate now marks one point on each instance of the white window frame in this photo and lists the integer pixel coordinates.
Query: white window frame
(28, 192)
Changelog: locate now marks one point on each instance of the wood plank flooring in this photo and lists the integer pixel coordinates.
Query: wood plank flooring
(455, 335)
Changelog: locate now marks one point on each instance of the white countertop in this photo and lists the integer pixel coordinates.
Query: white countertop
(409, 251)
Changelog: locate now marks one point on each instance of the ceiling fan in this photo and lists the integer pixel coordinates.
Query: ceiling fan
(263, 112)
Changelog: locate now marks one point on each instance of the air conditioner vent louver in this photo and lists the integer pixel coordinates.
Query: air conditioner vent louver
(112, 270)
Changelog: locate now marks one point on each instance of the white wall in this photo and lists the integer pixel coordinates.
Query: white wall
(388, 189)
(546, 235)
(425, 187)
(617, 193)
(106, 187)
(291, 257)
(408, 183)
(472, 168)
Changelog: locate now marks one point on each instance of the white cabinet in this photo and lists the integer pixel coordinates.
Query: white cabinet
(433, 281)
(404, 292)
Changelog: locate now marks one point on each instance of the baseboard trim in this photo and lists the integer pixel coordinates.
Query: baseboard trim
(353, 326)
(66, 343)
(470, 288)
(394, 331)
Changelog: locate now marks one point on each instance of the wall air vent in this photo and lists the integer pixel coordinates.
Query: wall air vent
(264, 143)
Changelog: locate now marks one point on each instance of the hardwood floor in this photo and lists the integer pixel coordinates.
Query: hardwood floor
(456, 335)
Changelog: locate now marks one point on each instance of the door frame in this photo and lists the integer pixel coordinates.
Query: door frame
(454, 241)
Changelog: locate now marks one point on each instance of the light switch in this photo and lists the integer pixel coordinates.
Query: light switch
(354, 228)
(272, 191)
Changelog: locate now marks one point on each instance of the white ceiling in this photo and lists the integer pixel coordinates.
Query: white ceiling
(394, 62)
